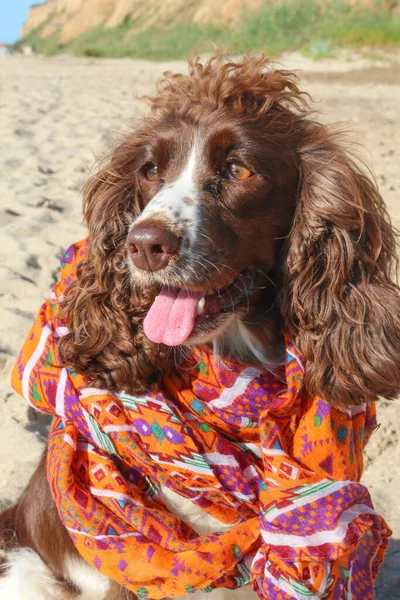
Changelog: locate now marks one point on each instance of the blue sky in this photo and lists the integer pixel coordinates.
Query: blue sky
(12, 15)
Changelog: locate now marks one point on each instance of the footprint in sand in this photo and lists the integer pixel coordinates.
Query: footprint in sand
(7, 215)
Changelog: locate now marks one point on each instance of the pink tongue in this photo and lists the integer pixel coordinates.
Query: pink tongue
(170, 319)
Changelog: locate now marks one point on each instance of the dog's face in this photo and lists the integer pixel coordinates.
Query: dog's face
(216, 197)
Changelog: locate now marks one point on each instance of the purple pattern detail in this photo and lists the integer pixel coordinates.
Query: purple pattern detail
(154, 535)
(179, 565)
(306, 447)
(323, 409)
(67, 256)
(173, 436)
(142, 427)
(150, 552)
(122, 564)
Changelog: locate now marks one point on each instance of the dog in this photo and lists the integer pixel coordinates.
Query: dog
(228, 218)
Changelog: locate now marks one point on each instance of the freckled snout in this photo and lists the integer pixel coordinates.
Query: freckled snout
(151, 247)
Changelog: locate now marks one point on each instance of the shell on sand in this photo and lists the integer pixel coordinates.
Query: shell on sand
(56, 114)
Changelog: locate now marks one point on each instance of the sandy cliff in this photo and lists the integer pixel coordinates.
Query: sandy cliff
(72, 18)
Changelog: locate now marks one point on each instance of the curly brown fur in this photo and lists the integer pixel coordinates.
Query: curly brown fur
(338, 294)
(340, 298)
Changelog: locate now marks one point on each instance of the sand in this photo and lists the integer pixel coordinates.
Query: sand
(56, 116)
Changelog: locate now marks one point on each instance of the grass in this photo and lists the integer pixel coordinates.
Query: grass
(49, 45)
(373, 55)
(317, 29)
(318, 49)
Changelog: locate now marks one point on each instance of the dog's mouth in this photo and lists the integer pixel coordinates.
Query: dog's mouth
(177, 315)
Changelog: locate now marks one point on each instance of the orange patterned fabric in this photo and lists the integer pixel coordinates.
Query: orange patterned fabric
(249, 447)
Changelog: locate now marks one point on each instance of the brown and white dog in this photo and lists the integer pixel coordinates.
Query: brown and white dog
(228, 217)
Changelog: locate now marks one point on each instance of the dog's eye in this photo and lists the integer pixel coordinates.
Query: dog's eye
(151, 173)
(238, 171)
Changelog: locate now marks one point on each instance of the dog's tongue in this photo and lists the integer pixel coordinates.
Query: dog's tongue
(170, 319)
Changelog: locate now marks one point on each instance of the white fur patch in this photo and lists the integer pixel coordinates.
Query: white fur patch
(177, 202)
(90, 581)
(28, 578)
(252, 343)
(238, 340)
(188, 511)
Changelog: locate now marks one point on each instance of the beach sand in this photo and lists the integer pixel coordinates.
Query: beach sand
(56, 116)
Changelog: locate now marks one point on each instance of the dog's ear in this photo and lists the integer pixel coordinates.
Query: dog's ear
(104, 313)
(341, 301)
(109, 200)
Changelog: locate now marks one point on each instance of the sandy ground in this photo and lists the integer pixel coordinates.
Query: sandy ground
(55, 116)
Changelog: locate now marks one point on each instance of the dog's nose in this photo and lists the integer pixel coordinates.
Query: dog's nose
(152, 247)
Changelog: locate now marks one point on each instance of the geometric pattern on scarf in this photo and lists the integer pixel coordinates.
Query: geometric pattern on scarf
(249, 447)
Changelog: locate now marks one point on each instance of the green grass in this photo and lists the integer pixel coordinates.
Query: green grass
(318, 49)
(49, 45)
(315, 28)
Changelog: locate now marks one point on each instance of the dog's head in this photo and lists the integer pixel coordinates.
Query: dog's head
(226, 209)
(215, 184)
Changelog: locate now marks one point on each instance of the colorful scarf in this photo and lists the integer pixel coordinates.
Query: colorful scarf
(250, 448)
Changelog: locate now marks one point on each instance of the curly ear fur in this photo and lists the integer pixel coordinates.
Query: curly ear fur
(341, 302)
(104, 315)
